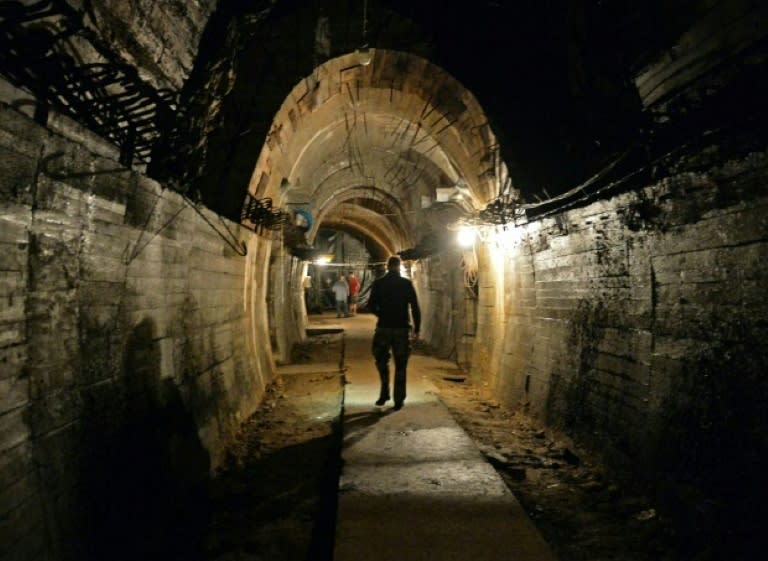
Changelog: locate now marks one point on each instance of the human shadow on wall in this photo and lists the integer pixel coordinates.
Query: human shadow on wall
(144, 466)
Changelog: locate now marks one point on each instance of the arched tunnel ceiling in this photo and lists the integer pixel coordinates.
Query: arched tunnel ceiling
(370, 227)
(382, 149)
(553, 77)
(380, 162)
(376, 212)
(368, 132)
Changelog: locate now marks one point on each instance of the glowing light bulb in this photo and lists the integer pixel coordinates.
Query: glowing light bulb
(364, 56)
(466, 237)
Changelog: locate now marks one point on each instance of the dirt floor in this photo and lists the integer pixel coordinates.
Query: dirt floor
(275, 498)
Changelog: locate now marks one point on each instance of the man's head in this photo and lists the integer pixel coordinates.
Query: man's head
(393, 263)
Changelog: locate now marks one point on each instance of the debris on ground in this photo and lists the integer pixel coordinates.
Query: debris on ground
(266, 499)
(581, 510)
(272, 496)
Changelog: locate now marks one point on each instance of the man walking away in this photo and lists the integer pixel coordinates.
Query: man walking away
(391, 295)
(341, 294)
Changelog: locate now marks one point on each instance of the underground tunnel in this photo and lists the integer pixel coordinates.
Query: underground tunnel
(181, 181)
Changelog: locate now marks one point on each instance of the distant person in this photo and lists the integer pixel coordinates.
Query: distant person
(341, 294)
(354, 291)
(391, 296)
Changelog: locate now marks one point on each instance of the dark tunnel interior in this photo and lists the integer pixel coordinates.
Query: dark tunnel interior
(181, 182)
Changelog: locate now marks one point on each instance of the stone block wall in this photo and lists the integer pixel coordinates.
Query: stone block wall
(128, 355)
(637, 325)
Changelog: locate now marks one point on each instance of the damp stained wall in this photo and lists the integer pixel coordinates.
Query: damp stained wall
(133, 341)
(637, 325)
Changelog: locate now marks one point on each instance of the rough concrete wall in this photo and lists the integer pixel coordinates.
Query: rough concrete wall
(637, 324)
(443, 301)
(286, 303)
(124, 361)
(158, 37)
(488, 341)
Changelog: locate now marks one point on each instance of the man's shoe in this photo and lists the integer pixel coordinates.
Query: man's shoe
(381, 401)
(398, 406)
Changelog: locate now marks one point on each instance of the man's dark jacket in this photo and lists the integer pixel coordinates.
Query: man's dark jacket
(390, 297)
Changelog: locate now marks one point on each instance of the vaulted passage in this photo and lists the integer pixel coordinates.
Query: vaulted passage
(181, 182)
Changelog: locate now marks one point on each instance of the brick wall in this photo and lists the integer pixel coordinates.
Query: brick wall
(128, 356)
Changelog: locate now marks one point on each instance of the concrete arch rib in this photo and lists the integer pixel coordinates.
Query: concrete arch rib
(367, 226)
(398, 103)
(368, 205)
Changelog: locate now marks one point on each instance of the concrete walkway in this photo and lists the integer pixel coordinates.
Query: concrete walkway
(413, 485)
